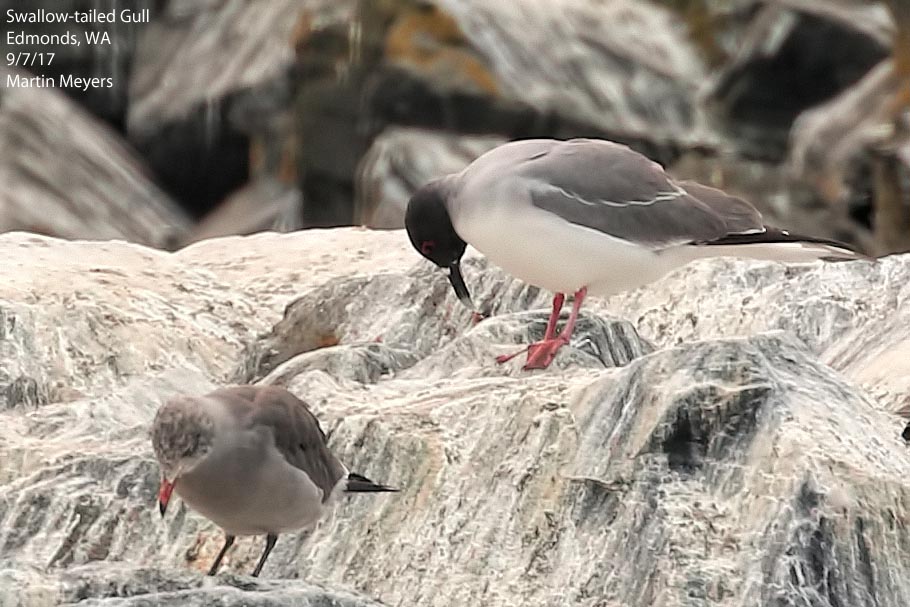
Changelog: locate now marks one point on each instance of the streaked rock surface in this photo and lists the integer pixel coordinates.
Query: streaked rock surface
(623, 66)
(624, 70)
(196, 53)
(211, 90)
(66, 174)
(99, 584)
(723, 437)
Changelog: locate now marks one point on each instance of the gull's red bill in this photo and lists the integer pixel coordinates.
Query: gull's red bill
(164, 494)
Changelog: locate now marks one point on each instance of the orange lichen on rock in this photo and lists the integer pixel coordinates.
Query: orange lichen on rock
(901, 12)
(327, 341)
(301, 32)
(431, 42)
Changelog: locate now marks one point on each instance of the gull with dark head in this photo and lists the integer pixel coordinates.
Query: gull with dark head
(586, 217)
(253, 460)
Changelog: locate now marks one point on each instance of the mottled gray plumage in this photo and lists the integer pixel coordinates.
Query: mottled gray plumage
(180, 430)
(253, 459)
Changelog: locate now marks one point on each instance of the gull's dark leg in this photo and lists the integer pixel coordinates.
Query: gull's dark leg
(542, 353)
(228, 542)
(558, 300)
(270, 540)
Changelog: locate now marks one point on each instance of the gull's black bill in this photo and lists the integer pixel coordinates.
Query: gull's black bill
(461, 289)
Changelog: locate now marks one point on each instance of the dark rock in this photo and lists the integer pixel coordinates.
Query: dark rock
(25, 392)
(198, 159)
(854, 150)
(630, 72)
(84, 185)
(476, 68)
(332, 141)
(794, 55)
(210, 90)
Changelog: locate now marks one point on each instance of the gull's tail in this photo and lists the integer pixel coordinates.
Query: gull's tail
(774, 244)
(361, 484)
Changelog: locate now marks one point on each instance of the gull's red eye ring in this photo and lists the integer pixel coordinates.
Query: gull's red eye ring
(426, 247)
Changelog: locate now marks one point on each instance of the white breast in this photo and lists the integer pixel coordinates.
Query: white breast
(543, 250)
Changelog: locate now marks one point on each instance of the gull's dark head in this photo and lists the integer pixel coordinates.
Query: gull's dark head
(433, 235)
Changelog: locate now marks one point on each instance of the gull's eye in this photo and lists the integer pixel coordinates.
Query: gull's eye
(193, 445)
(427, 246)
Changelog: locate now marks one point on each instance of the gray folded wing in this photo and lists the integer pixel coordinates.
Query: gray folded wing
(610, 188)
(297, 433)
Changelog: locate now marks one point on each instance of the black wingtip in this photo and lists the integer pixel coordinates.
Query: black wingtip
(840, 251)
(358, 483)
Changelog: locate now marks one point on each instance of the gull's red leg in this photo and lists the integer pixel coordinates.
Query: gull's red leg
(558, 300)
(573, 316)
(542, 353)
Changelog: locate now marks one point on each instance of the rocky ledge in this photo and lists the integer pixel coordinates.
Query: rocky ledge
(724, 437)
